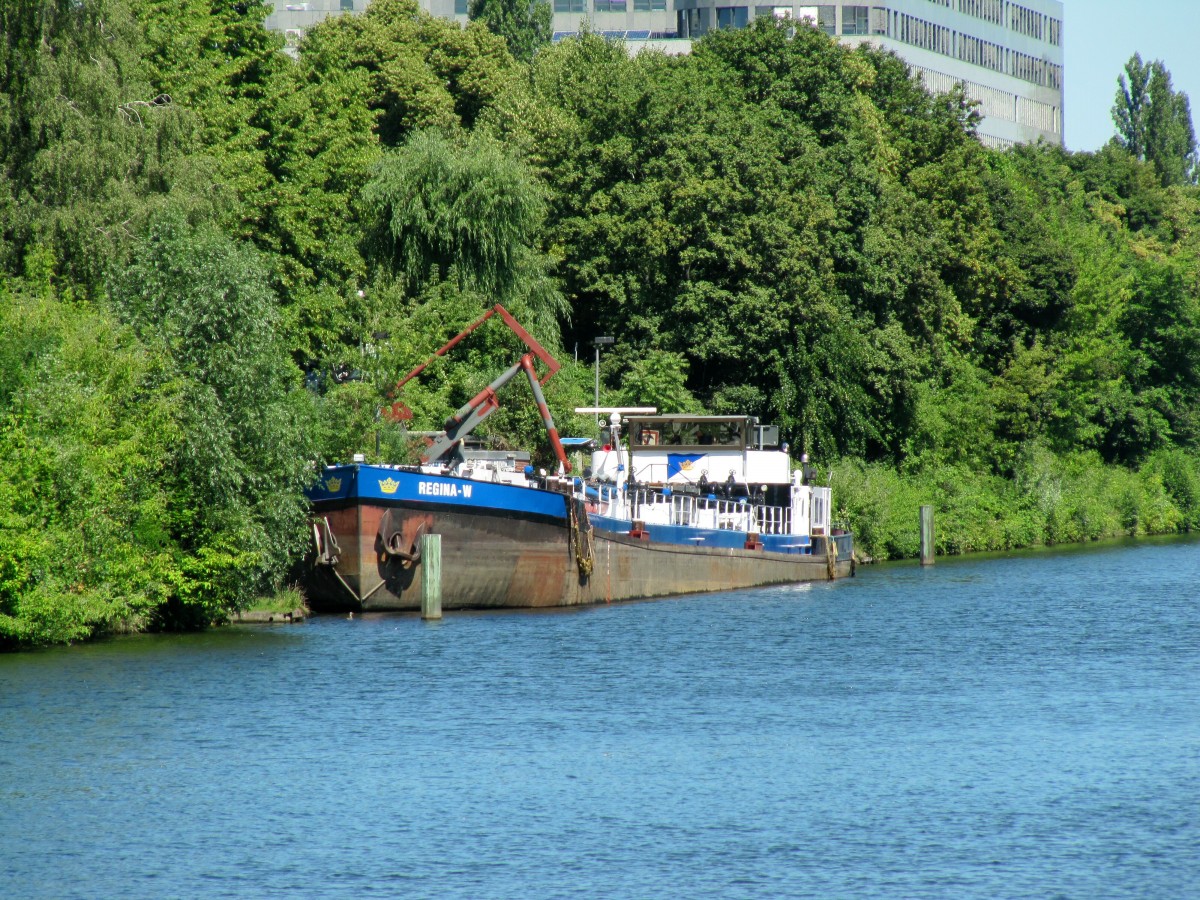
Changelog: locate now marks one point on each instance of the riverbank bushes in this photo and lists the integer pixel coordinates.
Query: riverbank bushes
(1050, 499)
(155, 446)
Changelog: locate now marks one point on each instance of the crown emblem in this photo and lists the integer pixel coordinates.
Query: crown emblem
(389, 486)
(687, 465)
(333, 485)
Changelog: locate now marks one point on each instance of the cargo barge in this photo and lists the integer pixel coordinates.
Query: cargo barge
(669, 505)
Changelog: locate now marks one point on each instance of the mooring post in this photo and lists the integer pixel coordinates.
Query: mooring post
(431, 576)
(927, 535)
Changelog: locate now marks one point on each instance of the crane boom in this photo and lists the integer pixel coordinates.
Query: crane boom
(483, 404)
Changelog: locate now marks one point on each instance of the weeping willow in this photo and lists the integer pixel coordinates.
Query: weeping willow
(463, 209)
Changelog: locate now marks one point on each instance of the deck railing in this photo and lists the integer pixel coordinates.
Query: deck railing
(773, 519)
(653, 507)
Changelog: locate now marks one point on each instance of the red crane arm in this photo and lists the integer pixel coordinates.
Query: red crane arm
(539, 351)
(400, 412)
(485, 403)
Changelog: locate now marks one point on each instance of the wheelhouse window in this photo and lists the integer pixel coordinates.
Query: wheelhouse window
(703, 432)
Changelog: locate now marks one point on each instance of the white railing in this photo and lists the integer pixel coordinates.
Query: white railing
(773, 519)
(608, 502)
(655, 508)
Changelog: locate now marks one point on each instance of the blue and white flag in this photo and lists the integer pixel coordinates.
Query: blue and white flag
(683, 464)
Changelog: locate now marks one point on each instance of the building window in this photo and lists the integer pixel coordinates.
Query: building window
(854, 19)
(827, 19)
(823, 17)
(693, 23)
(570, 6)
(732, 16)
(460, 7)
(988, 10)
(648, 5)
(610, 6)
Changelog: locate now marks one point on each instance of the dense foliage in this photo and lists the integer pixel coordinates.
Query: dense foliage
(525, 26)
(218, 259)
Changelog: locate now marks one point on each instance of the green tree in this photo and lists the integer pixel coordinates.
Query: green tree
(524, 24)
(362, 84)
(465, 210)
(84, 527)
(1154, 122)
(216, 63)
(740, 207)
(241, 459)
(1162, 324)
(85, 142)
(658, 379)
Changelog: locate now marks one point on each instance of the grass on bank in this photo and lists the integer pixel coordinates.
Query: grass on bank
(1048, 500)
(285, 600)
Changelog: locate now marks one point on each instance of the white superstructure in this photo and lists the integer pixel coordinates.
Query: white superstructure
(708, 472)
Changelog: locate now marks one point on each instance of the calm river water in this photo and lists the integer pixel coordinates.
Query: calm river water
(1009, 727)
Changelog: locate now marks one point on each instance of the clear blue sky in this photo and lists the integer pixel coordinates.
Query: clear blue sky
(1099, 36)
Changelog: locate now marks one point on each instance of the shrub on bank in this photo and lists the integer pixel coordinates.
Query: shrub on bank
(1048, 500)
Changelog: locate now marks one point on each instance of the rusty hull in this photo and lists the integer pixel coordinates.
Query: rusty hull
(495, 561)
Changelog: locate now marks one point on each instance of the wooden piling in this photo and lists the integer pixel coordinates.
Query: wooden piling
(927, 535)
(431, 576)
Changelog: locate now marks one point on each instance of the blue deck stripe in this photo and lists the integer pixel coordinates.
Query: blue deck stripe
(366, 482)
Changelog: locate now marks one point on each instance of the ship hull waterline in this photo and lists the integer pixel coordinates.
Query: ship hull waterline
(497, 560)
